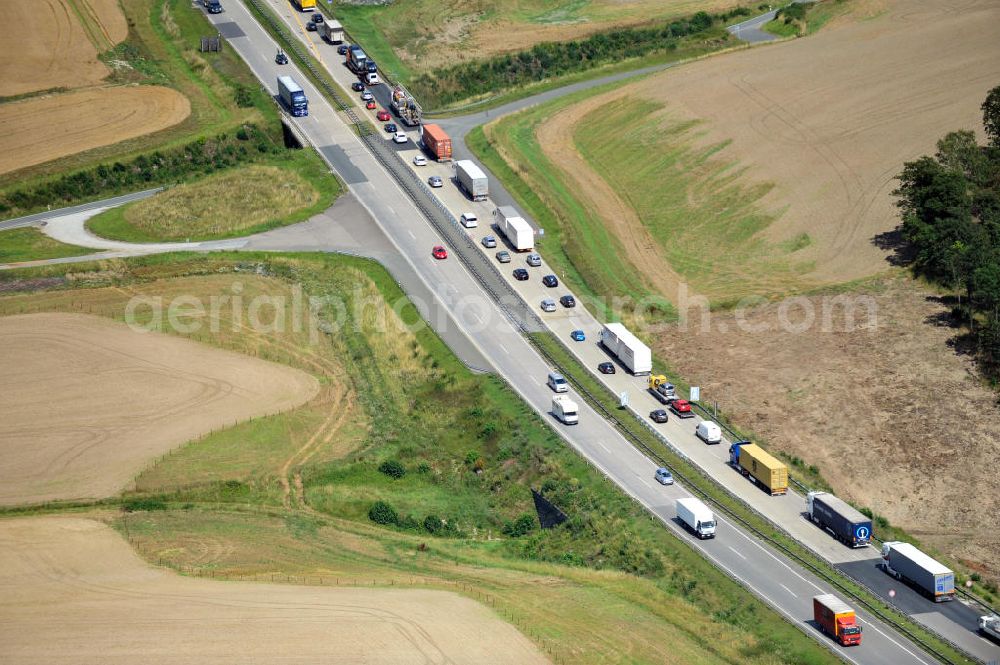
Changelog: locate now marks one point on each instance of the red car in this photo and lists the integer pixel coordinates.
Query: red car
(439, 252)
(383, 115)
(681, 408)
(370, 104)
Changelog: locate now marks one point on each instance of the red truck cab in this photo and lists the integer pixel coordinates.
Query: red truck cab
(836, 619)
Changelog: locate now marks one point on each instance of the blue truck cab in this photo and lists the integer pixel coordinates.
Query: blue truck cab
(292, 96)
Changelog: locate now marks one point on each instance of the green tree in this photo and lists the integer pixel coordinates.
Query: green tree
(958, 152)
(991, 116)
(382, 513)
(392, 468)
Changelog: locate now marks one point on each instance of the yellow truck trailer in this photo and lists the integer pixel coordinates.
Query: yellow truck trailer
(306, 5)
(752, 460)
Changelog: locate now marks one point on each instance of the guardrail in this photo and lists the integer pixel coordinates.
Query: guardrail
(526, 321)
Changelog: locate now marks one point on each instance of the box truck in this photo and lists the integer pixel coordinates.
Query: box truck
(838, 517)
(333, 31)
(625, 346)
(752, 460)
(357, 60)
(835, 618)
(292, 96)
(565, 410)
(306, 5)
(697, 517)
(472, 180)
(908, 564)
(436, 141)
(515, 228)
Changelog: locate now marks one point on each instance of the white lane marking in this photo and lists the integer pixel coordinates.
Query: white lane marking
(872, 626)
(603, 446)
(787, 589)
(504, 349)
(411, 234)
(645, 482)
(736, 553)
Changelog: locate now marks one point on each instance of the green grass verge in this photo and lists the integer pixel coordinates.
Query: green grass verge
(780, 28)
(471, 450)
(30, 244)
(292, 187)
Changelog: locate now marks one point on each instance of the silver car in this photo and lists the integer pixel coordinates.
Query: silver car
(534, 260)
(503, 256)
(489, 242)
(435, 181)
(548, 305)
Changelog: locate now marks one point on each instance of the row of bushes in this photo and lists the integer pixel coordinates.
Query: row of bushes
(205, 155)
(447, 85)
(384, 514)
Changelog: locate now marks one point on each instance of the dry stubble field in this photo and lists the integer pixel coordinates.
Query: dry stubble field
(89, 402)
(74, 591)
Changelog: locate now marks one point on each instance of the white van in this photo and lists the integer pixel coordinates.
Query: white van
(557, 382)
(709, 432)
(371, 78)
(469, 220)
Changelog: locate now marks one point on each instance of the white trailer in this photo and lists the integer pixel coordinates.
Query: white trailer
(515, 228)
(989, 625)
(332, 30)
(472, 180)
(696, 516)
(625, 346)
(565, 410)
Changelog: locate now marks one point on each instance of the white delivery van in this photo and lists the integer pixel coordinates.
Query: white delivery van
(565, 409)
(469, 220)
(558, 382)
(709, 432)
(697, 517)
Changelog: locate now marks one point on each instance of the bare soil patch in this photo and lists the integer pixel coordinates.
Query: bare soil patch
(75, 592)
(829, 120)
(894, 419)
(83, 120)
(88, 401)
(46, 46)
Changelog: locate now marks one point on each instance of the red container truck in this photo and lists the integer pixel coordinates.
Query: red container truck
(437, 142)
(836, 619)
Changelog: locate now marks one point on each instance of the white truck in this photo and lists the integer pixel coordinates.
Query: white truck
(696, 516)
(472, 180)
(565, 410)
(625, 346)
(989, 626)
(515, 228)
(332, 30)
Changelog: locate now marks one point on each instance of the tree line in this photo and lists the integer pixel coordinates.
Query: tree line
(452, 83)
(950, 205)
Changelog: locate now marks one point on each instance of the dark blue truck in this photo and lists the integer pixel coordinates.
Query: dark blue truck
(292, 96)
(846, 523)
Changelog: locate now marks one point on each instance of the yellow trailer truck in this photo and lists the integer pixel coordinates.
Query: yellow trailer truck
(306, 5)
(752, 460)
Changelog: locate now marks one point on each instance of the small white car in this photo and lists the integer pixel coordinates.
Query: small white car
(420, 160)
(400, 137)
(548, 305)
(664, 477)
(371, 78)
(469, 220)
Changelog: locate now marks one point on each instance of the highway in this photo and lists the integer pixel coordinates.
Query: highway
(762, 571)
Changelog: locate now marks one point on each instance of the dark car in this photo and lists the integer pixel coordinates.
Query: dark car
(550, 281)
(316, 18)
(567, 301)
(342, 49)
(310, 26)
(606, 368)
(658, 416)
(281, 58)
(520, 274)
(391, 127)
(358, 86)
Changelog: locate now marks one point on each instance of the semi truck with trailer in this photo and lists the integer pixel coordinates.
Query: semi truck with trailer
(332, 31)
(357, 60)
(846, 523)
(292, 96)
(306, 5)
(753, 461)
(409, 111)
(908, 564)
(835, 618)
(472, 180)
(625, 346)
(565, 410)
(515, 228)
(435, 140)
(696, 516)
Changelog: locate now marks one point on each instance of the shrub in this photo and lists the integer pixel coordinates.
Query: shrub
(243, 96)
(135, 505)
(433, 524)
(522, 526)
(382, 513)
(392, 468)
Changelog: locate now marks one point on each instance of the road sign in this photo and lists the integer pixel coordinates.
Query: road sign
(695, 394)
(623, 399)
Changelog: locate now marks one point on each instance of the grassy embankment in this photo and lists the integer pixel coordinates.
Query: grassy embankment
(610, 585)
(235, 202)
(225, 99)
(805, 19)
(28, 244)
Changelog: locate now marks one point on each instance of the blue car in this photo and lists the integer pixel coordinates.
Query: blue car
(578, 335)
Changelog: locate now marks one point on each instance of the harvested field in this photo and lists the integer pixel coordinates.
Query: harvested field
(82, 120)
(97, 401)
(861, 403)
(811, 132)
(54, 43)
(76, 592)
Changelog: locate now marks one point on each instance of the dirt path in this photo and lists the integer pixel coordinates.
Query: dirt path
(74, 591)
(79, 121)
(63, 430)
